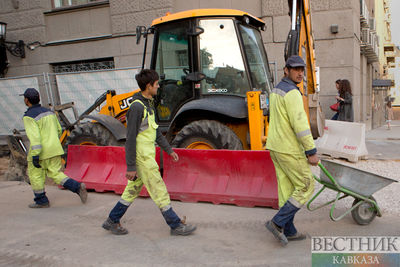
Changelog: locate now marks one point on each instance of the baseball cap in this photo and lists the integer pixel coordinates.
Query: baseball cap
(295, 61)
(31, 94)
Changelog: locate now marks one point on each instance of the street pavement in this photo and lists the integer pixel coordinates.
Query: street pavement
(70, 234)
(383, 143)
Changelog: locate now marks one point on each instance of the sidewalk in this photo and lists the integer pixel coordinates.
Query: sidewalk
(384, 144)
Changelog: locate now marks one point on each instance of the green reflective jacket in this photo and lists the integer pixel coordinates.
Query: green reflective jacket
(43, 130)
(289, 130)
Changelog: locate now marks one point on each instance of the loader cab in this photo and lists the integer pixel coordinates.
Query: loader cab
(206, 54)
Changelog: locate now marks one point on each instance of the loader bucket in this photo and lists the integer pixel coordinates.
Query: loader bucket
(243, 178)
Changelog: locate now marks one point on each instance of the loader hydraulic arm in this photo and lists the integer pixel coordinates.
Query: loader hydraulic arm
(300, 42)
(70, 126)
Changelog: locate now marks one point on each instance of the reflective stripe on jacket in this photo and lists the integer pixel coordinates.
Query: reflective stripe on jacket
(289, 130)
(43, 131)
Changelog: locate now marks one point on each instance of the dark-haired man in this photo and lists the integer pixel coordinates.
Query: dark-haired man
(292, 149)
(142, 168)
(45, 150)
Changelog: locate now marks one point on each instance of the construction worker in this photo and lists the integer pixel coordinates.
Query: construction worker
(292, 149)
(45, 150)
(142, 168)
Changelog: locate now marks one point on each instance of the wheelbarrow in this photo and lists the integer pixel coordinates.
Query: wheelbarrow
(348, 181)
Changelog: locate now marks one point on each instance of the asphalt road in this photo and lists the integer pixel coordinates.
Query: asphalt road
(70, 234)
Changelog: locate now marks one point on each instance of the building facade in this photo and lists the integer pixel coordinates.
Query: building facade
(78, 35)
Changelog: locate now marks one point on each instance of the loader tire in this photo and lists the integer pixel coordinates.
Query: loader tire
(92, 134)
(207, 134)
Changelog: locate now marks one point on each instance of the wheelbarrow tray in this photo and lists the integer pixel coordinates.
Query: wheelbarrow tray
(358, 181)
(348, 181)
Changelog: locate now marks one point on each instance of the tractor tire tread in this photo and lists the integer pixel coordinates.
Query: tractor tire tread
(222, 134)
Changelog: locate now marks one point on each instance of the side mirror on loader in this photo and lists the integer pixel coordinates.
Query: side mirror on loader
(140, 30)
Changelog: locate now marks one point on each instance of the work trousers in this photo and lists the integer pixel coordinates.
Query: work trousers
(149, 176)
(295, 188)
(49, 168)
(295, 182)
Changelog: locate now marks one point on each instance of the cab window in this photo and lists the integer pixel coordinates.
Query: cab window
(221, 59)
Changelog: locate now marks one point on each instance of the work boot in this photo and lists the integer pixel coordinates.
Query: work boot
(115, 228)
(39, 206)
(183, 229)
(297, 236)
(82, 193)
(277, 232)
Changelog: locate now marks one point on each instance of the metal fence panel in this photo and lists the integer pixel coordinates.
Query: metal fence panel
(85, 87)
(12, 105)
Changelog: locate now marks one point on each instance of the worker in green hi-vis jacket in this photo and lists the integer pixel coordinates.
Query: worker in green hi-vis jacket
(45, 150)
(292, 149)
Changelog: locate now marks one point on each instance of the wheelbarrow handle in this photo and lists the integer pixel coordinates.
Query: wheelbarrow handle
(329, 175)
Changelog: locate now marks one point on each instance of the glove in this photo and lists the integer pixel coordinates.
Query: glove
(35, 161)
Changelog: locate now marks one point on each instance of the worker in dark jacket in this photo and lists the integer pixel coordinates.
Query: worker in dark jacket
(45, 150)
(292, 149)
(142, 168)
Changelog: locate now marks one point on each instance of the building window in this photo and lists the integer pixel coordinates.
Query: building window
(84, 65)
(68, 3)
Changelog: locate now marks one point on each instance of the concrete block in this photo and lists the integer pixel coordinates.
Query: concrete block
(11, 19)
(24, 19)
(6, 7)
(155, 4)
(356, 53)
(279, 76)
(215, 4)
(319, 5)
(118, 24)
(274, 7)
(82, 51)
(78, 24)
(143, 18)
(30, 4)
(129, 61)
(182, 5)
(322, 21)
(356, 24)
(328, 76)
(128, 46)
(275, 53)
(15, 70)
(342, 4)
(124, 6)
(267, 34)
(28, 35)
(281, 28)
(335, 53)
(33, 57)
(252, 7)
(343, 140)
(38, 69)
(45, 4)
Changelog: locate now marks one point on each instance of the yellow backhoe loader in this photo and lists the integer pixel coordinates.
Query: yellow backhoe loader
(214, 82)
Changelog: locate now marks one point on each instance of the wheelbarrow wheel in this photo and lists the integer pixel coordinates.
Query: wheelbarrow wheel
(365, 213)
